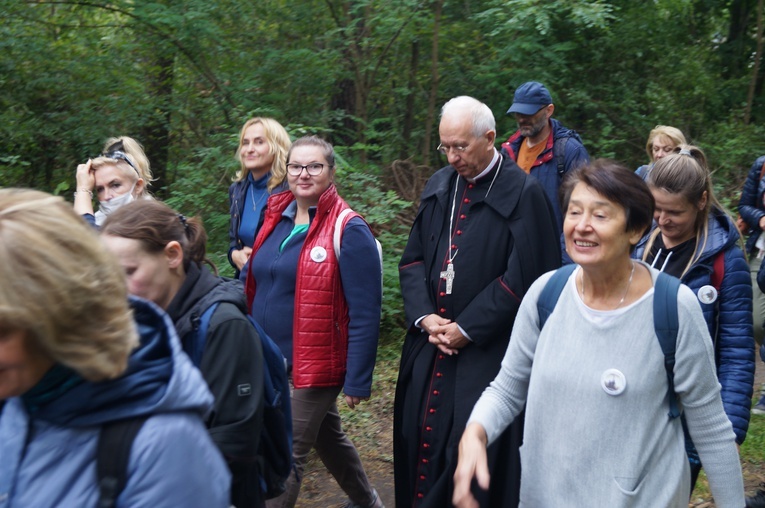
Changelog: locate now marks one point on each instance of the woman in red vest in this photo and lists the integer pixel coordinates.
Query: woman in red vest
(316, 292)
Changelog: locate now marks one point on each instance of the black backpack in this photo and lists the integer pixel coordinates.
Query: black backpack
(112, 457)
(275, 448)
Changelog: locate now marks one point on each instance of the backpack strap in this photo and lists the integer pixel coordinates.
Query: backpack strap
(559, 152)
(337, 234)
(551, 292)
(196, 347)
(718, 271)
(665, 322)
(112, 457)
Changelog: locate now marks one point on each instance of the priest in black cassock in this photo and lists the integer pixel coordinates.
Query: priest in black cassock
(484, 231)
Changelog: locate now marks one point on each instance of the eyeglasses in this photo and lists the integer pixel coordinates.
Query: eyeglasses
(444, 149)
(313, 169)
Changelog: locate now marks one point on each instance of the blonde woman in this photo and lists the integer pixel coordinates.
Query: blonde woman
(76, 356)
(262, 153)
(662, 141)
(696, 241)
(120, 175)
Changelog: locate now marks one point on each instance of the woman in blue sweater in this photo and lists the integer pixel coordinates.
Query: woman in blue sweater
(696, 241)
(262, 153)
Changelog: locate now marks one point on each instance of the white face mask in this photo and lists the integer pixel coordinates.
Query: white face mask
(107, 207)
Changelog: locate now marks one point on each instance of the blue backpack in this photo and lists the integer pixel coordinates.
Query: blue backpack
(275, 450)
(665, 321)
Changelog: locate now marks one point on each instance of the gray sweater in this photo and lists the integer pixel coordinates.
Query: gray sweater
(585, 447)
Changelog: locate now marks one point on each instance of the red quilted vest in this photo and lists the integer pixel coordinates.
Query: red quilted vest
(320, 326)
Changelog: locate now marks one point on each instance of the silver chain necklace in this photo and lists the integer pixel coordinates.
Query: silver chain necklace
(627, 290)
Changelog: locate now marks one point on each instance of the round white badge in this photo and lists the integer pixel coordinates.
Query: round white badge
(707, 294)
(613, 382)
(318, 254)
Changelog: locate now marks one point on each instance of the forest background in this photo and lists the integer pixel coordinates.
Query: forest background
(182, 76)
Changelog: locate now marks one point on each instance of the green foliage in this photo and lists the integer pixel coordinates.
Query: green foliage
(182, 76)
(381, 210)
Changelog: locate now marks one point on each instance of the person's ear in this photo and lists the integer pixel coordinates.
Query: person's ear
(174, 254)
(634, 237)
(139, 187)
(491, 136)
(703, 201)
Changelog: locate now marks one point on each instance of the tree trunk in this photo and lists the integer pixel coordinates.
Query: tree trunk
(406, 133)
(433, 95)
(155, 133)
(756, 69)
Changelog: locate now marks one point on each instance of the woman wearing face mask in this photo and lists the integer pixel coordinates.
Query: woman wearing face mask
(117, 177)
(695, 240)
(662, 141)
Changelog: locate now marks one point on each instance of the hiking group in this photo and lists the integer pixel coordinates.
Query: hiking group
(578, 333)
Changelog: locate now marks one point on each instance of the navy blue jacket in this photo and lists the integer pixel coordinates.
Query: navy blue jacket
(729, 317)
(750, 205)
(237, 194)
(545, 168)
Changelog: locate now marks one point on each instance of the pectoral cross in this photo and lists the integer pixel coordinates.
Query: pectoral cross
(448, 276)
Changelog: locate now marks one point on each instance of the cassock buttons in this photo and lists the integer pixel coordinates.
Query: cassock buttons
(435, 392)
(442, 310)
(424, 461)
(466, 200)
(459, 232)
(442, 293)
(463, 216)
(432, 411)
(438, 374)
(470, 186)
(425, 445)
(420, 495)
(428, 429)
(422, 477)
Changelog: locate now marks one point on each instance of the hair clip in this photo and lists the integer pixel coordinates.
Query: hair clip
(684, 151)
(182, 218)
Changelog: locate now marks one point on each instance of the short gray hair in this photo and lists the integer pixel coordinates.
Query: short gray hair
(480, 114)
